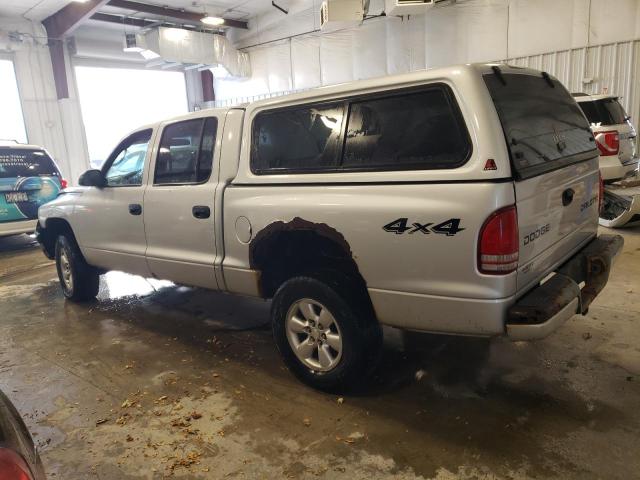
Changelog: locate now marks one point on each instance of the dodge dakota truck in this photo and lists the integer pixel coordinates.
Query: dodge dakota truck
(461, 200)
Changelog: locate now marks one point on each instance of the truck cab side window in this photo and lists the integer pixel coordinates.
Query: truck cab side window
(186, 152)
(126, 163)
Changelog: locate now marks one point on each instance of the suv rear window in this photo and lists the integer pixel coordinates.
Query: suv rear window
(16, 162)
(607, 111)
(544, 127)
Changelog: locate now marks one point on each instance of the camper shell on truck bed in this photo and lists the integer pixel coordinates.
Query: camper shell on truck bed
(461, 200)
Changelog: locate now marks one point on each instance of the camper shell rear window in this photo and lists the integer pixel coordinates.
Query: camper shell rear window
(544, 128)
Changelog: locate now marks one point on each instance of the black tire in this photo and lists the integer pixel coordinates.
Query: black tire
(360, 332)
(85, 280)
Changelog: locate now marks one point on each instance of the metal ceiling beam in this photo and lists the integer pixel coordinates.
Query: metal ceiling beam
(142, 23)
(60, 25)
(67, 19)
(171, 12)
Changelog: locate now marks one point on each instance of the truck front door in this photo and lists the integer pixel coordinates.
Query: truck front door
(179, 203)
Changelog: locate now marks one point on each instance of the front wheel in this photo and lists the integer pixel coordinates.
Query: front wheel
(79, 281)
(330, 341)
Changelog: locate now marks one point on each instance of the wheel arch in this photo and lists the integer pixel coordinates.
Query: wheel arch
(54, 227)
(286, 249)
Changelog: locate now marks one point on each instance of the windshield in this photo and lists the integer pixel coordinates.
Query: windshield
(544, 127)
(607, 111)
(16, 162)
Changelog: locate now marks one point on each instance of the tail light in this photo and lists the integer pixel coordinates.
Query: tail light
(63, 183)
(601, 193)
(499, 245)
(12, 466)
(608, 143)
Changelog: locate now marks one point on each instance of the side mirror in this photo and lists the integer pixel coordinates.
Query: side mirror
(92, 178)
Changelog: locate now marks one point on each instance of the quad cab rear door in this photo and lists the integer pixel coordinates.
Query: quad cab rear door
(554, 161)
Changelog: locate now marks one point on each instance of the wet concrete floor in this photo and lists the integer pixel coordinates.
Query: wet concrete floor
(155, 380)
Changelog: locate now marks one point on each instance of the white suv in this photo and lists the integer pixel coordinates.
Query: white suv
(462, 200)
(614, 134)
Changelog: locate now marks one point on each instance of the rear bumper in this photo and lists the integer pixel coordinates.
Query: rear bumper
(570, 291)
(613, 169)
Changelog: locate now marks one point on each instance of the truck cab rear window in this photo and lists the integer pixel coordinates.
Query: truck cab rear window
(25, 163)
(411, 130)
(544, 127)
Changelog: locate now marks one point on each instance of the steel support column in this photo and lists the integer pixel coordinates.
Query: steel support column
(208, 93)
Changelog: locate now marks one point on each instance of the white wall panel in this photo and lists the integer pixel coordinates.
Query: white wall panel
(279, 67)
(540, 26)
(370, 50)
(473, 31)
(260, 70)
(336, 58)
(614, 22)
(305, 58)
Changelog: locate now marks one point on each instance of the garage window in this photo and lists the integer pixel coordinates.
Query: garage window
(11, 120)
(186, 152)
(116, 101)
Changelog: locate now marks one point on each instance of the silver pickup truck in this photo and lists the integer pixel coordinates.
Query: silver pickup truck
(461, 200)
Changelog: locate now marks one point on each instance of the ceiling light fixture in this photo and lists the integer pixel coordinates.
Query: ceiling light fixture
(212, 20)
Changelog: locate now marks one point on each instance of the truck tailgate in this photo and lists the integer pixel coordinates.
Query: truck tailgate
(554, 163)
(557, 214)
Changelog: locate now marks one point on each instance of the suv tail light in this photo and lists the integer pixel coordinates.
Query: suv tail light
(499, 245)
(63, 183)
(12, 466)
(608, 143)
(600, 193)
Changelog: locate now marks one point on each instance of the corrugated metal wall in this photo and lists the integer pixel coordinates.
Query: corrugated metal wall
(612, 68)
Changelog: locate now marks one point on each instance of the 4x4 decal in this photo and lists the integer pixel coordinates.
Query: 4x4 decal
(400, 226)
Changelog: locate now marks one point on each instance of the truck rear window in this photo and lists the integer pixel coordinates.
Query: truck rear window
(25, 163)
(607, 111)
(544, 127)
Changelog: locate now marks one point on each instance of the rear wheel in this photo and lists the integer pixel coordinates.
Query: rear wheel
(329, 340)
(79, 280)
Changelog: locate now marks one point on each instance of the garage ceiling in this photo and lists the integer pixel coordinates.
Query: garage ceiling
(31, 9)
(237, 9)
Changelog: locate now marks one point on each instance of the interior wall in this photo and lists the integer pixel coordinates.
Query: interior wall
(54, 124)
(465, 32)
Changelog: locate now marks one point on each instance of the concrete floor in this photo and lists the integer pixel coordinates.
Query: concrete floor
(156, 380)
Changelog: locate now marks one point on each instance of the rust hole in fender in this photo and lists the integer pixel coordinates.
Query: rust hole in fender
(296, 225)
